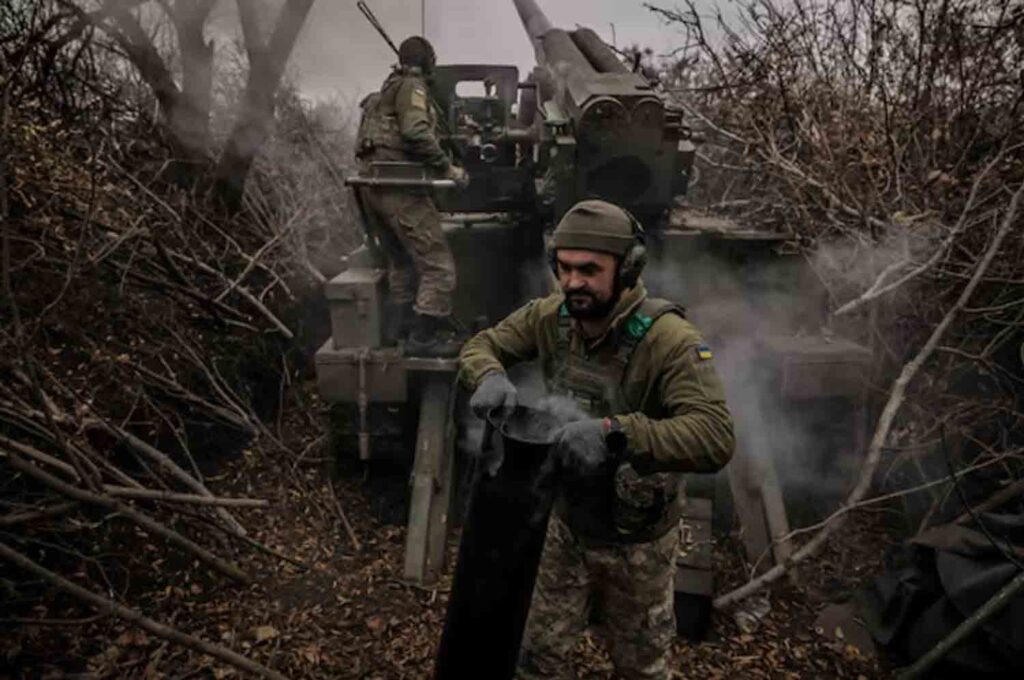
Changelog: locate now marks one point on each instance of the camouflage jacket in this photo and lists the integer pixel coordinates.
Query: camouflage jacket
(400, 123)
(677, 419)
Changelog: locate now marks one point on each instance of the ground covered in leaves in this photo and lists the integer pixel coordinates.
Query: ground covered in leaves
(348, 614)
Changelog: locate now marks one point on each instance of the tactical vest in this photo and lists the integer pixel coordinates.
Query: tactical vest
(378, 124)
(615, 503)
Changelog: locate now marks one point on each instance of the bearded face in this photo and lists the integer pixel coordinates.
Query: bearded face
(587, 279)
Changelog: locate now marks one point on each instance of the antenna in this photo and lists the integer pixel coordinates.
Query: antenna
(372, 18)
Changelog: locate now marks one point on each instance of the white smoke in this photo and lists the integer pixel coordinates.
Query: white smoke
(562, 409)
(738, 304)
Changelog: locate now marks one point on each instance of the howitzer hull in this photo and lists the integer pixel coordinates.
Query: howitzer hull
(499, 555)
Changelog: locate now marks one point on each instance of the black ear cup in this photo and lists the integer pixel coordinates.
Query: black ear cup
(635, 260)
(551, 254)
(632, 265)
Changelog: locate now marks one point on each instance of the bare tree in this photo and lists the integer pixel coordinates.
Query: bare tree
(267, 61)
(184, 109)
(185, 100)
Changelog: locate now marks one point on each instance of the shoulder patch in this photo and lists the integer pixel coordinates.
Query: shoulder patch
(419, 98)
(704, 352)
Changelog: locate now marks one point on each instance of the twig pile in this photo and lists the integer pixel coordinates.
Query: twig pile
(143, 336)
(887, 136)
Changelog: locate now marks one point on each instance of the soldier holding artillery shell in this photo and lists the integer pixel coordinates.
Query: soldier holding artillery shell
(656, 408)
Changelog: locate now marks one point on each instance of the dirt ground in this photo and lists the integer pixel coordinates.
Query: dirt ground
(350, 615)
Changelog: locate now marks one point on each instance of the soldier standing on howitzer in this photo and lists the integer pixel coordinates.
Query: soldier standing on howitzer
(400, 124)
(656, 409)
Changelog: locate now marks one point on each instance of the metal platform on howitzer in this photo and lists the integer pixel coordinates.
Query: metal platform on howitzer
(380, 374)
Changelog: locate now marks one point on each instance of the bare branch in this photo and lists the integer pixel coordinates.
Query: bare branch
(885, 422)
(879, 288)
(188, 498)
(134, 515)
(134, 616)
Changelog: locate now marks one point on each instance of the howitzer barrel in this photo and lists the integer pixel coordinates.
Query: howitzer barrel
(594, 49)
(534, 20)
(552, 45)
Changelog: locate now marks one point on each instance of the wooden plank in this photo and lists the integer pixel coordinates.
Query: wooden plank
(776, 518)
(440, 509)
(431, 483)
(759, 505)
(745, 480)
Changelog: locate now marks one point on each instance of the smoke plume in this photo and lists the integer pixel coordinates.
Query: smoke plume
(743, 306)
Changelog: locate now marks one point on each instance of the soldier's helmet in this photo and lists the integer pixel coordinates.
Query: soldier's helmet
(417, 51)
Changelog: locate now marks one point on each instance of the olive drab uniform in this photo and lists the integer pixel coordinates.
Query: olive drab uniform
(399, 124)
(612, 540)
(613, 505)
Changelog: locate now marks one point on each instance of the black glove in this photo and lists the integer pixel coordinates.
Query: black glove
(581, 445)
(495, 392)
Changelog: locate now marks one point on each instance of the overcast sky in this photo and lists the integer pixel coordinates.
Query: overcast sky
(339, 51)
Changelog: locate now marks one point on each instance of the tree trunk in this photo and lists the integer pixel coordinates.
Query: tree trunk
(184, 111)
(189, 119)
(256, 112)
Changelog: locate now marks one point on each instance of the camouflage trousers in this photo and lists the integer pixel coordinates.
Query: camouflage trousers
(628, 590)
(421, 268)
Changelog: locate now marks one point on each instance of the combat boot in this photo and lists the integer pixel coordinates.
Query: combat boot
(399, 318)
(433, 337)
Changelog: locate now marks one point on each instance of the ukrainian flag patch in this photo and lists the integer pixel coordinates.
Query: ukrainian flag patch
(704, 352)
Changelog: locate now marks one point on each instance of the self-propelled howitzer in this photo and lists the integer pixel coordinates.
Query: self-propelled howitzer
(582, 124)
